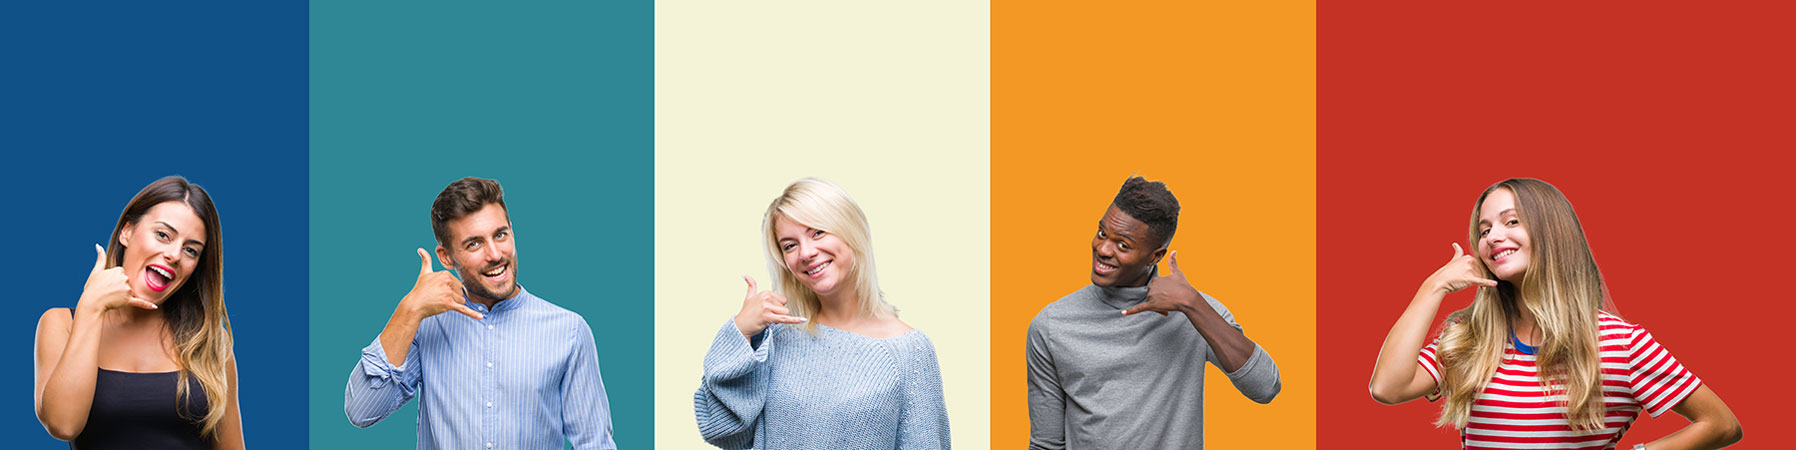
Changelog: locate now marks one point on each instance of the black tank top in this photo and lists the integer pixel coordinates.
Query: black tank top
(138, 410)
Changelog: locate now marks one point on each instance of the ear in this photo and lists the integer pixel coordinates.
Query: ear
(444, 258)
(1158, 254)
(124, 234)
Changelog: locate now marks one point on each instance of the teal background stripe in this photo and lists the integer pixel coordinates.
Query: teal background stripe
(553, 99)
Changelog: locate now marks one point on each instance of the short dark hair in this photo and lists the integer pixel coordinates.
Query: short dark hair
(1151, 203)
(461, 198)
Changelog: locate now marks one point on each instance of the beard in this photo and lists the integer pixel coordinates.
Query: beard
(471, 280)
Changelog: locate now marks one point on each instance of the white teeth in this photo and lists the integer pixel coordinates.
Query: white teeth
(496, 272)
(818, 269)
(164, 273)
(1505, 253)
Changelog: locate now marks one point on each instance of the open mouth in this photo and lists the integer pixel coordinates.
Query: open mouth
(1500, 256)
(818, 269)
(157, 277)
(497, 273)
(1101, 268)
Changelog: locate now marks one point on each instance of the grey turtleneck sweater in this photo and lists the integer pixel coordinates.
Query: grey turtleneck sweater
(1099, 379)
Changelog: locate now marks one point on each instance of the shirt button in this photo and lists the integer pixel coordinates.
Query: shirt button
(489, 365)
(489, 404)
(489, 445)
(489, 327)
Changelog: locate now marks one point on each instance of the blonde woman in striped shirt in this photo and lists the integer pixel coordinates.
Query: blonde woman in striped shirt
(1537, 360)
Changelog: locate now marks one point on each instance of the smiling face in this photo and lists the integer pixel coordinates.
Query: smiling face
(819, 259)
(162, 249)
(481, 251)
(1503, 242)
(1124, 251)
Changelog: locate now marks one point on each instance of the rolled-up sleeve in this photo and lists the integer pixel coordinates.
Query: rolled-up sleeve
(734, 389)
(377, 388)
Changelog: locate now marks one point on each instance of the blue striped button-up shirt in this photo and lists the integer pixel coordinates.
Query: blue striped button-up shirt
(524, 378)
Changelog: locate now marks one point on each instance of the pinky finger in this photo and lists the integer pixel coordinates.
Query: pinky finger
(141, 303)
(468, 312)
(789, 319)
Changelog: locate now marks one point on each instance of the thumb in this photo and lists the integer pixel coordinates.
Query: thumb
(100, 260)
(1457, 252)
(425, 256)
(751, 285)
(1174, 264)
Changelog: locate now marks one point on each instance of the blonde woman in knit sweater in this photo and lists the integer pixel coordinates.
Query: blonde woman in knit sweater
(821, 360)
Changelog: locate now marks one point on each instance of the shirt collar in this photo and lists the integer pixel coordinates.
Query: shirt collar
(1126, 297)
(514, 302)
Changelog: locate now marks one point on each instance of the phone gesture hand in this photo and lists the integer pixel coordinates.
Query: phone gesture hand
(1461, 272)
(1168, 293)
(435, 293)
(761, 309)
(108, 288)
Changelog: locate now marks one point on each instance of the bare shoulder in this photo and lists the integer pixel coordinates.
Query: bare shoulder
(55, 319)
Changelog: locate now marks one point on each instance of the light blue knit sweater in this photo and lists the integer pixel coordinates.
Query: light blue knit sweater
(836, 390)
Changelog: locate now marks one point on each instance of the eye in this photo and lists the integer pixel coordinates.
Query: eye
(501, 235)
(1483, 232)
(1513, 222)
(161, 236)
(816, 234)
(787, 247)
(472, 245)
(1124, 245)
(1101, 234)
(191, 252)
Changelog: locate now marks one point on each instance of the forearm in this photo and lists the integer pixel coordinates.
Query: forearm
(1698, 435)
(1396, 365)
(1232, 347)
(69, 390)
(396, 338)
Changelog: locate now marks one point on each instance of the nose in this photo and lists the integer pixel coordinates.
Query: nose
(807, 252)
(1106, 249)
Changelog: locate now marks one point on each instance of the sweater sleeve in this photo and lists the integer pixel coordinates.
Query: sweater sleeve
(924, 424)
(1258, 377)
(1047, 402)
(734, 389)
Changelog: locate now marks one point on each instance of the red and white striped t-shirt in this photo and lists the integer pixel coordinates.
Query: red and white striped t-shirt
(1513, 412)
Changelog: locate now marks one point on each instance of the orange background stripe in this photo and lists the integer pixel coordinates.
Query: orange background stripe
(1217, 100)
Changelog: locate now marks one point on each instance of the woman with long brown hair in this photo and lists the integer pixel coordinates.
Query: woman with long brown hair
(1539, 359)
(144, 359)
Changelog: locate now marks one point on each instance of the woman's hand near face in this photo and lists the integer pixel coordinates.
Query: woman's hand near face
(761, 309)
(1459, 273)
(108, 288)
(1396, 376)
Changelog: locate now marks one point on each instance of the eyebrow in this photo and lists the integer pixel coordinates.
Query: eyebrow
(178, 231)
(1499, 214)
(1117, 233)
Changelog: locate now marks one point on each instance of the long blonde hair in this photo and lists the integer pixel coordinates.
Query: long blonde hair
(819, 204)
(195, 312)
(1564, 292)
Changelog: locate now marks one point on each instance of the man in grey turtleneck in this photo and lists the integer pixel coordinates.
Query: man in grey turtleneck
(1103, 376)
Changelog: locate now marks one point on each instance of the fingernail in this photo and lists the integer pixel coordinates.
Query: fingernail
(803, 320)
(99, 249)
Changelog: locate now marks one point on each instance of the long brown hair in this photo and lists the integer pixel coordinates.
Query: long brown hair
(1562, 289)
(195, 313)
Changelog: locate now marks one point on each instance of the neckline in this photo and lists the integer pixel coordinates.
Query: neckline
(176, 371)
(863, 336)
(1519, 346)
(1126, 297)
